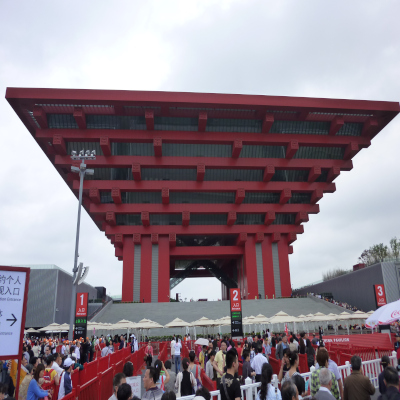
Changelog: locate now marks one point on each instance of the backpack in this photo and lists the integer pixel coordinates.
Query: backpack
(47, 375)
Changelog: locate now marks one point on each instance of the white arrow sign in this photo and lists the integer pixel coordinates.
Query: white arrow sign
(12, 294)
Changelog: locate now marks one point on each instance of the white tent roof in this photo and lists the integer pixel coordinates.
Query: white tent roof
(177, 323)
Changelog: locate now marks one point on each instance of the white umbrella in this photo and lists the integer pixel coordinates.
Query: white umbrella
(201, 342)
(223, 321)
(203, 321)
(147, 324)
(385, 315)
(50, 328)
(177, 323)
(31, 330)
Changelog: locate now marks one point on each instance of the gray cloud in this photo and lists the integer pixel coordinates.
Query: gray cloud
(322, 49)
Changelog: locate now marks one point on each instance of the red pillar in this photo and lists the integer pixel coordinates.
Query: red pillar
(283, 251)
(145, 269)
(250, 267)
(163, 268)
(268, 267)
(128, 253)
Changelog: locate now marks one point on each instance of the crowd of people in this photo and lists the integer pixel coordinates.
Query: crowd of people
(337, 303)
(41, 363)
(179, 377)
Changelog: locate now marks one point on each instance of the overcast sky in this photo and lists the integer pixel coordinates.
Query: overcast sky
(338, 49)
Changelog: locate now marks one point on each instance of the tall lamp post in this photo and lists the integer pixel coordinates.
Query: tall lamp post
(82, 171)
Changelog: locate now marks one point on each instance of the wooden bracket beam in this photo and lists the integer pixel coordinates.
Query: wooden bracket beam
(136, 172)
(237, 148)
(336, 124)
(333, 173)
(291, 237)
(370, 127)
(351, 150)
(286, 194)
(154, 238)
(165, 195)
(241, 239)
(290, 250)
(269, 218)
(110, 218)
(116, 195)
(94, 195)
(301, 216)
(291, 149)
(119, 240)
(80, 117)
(240, 195)
(172, 239)
(267, 123)
(260, 237)
(231, 218)
(145, 217)
(105, 145)
(40, 116)
(269, 172)
(185, 218)
(137, 238)
(157, 144)
(59, 145)
(316, 195)
(201, 171)
(314, 173)
(276, 237)
(149, 116)
(202, 121)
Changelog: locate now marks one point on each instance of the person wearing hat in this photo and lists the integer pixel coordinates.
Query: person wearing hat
(385, 362)
(66, 382)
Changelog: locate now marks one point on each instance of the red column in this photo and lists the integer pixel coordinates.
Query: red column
(145, 269)
(250, 267)
(128, 253)
(163, 268)
(268, 267)
(283, 251)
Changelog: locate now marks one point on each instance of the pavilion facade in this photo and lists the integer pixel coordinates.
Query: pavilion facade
(193, 184)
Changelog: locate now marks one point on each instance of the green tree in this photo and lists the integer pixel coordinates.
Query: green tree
(366, 257)
(333, 274)
(379, 252)
(395, 247)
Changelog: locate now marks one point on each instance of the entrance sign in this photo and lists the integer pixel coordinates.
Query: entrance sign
(14, 284)
(236, 313)
(81, 313)
(380, 295)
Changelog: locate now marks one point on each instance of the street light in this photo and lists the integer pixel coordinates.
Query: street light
(77, 277)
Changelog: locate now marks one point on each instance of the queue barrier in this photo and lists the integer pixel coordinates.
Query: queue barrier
(275, 364)
(208, 383)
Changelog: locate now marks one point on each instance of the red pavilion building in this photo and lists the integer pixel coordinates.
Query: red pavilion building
(195, 184)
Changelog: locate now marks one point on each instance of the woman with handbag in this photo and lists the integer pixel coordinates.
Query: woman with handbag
(149, 354)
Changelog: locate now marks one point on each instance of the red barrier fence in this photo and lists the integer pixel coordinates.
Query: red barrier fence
(106, 385)
(275, 364)
(207, 382)
(303, 365)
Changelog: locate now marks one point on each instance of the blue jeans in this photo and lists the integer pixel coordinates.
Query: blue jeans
(177, 363)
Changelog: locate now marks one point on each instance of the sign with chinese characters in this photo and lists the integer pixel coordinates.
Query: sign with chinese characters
(236, 313)
(13, 296)
(81, 313)
(380, 295)
(136, 384)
